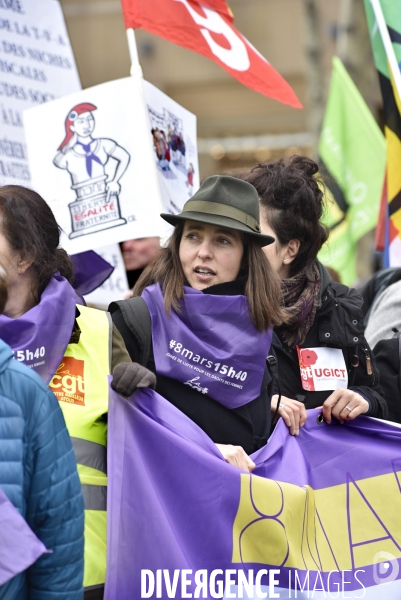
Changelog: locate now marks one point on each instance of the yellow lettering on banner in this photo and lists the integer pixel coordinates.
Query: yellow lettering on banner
(336, 528)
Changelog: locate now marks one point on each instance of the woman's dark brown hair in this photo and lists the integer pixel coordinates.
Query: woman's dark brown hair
(31, 230)
(262, 287)
(292, 204)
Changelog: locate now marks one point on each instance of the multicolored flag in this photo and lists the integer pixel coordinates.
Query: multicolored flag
(390, 13)
(206, 27)
(352, 151)
(321, 512)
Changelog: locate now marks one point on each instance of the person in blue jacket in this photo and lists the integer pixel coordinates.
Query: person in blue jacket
(39, 476)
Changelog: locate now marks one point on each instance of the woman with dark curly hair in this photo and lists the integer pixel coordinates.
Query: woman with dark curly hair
(323, 356)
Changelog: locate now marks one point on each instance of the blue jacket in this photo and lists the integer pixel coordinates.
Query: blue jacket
(38, 474)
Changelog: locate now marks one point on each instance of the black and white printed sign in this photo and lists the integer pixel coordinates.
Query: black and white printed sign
(36, 65)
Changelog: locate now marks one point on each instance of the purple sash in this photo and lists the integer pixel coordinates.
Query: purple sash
(40, 337)
(211, 345)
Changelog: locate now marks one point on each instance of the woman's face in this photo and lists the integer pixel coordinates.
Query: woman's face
(209, 254)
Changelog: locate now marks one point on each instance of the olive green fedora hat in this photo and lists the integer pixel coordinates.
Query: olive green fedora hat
(226, 202)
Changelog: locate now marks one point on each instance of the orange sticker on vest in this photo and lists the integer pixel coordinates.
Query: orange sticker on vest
(68, 384)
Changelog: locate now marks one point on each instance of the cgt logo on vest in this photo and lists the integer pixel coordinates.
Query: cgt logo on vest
(68, 383)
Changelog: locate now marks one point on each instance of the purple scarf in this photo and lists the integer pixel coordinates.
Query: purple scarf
(40, 337)
(211, 345)
(89, 156)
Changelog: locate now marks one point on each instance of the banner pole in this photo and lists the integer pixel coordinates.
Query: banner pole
(388, 46)
(136, 68)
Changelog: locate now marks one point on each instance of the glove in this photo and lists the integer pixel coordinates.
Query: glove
(127, 377)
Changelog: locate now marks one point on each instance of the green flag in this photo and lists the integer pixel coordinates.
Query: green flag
(353, 151)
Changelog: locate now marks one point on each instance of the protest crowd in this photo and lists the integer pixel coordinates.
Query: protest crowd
(227, 264)
(218, 395)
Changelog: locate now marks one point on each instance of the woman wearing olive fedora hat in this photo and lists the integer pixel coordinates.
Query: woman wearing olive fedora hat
(212, 298)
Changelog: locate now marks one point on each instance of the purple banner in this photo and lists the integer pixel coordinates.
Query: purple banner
(19, 546)
(322, 507)
(40, 337)
(210, 345)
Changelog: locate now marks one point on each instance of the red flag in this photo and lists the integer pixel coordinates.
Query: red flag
(207, 29)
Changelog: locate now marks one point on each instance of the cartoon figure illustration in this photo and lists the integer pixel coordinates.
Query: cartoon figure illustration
(97, 204)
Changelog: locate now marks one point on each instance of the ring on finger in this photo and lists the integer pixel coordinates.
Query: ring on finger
(281, 405)
(348, 407)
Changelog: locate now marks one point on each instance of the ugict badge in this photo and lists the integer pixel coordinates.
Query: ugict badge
(322, 369)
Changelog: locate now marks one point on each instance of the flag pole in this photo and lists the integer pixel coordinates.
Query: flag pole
(136, 68)
(388, 46)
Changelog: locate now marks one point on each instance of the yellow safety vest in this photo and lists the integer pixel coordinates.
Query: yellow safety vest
(81, 385)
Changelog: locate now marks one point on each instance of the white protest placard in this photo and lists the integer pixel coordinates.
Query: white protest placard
(91, 158)
(173, 130)
(36, 65)
(116, 286)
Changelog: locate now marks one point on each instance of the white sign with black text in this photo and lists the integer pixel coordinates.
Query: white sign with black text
(36, 65)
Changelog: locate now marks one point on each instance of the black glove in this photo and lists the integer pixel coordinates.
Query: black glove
(127, 377)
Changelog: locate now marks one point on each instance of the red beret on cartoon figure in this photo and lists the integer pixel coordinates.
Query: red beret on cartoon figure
(79, 109)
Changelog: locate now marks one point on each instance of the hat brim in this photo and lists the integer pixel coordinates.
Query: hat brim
(220, 221)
